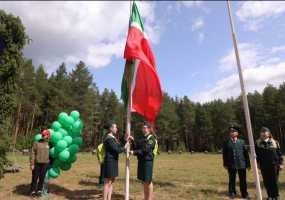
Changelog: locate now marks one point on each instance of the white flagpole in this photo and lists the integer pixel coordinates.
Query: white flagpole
(128, 132)
(246, 109)
(128, 128)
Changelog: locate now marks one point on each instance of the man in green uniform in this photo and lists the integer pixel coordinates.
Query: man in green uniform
(236, 160)
(270, 161)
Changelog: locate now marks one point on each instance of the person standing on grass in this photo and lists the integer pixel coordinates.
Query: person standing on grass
(39, 161)
(236, 160)
(270, 161)
(112, 150)
(143, 149)
(101, 177)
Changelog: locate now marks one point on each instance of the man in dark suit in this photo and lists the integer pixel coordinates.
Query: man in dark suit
(236, 160)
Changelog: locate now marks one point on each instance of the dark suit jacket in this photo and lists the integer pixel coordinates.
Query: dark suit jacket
(235, 155)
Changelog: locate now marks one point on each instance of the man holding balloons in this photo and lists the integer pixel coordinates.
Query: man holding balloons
(39, 161)
(65, 140)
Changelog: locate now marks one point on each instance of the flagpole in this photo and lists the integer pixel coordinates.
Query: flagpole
(128, 132)
(128, 129)
(246, 108)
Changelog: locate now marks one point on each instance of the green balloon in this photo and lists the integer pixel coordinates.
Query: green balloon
(65, 166)
(54, 172)
(56, 125)
(37, 137)
(72, 158)
(62, 117)
(64, 155)
(75, 115)
(56, 163)
(63, 132)
(77, 126)
(75, 134)
(55, 137)
(69, 129)
(67, 121)
(61, 145)
(68, 140)
(73, 149)
(70, 121)
(53, 152)
(77, 140)
(81, 123)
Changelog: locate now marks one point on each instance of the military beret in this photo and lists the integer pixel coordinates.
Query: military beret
(234, 128)
(264, 129)
(146, 124)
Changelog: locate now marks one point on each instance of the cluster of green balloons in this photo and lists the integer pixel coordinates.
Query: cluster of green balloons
(65, 139)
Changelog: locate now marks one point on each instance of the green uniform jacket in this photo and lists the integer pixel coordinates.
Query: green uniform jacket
(112, 151)
(235, 155)
(143, 149)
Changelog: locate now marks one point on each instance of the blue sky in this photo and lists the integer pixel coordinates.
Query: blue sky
(191, 41)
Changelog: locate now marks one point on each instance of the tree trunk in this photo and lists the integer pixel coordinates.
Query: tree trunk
(33, 117)
(17, 127)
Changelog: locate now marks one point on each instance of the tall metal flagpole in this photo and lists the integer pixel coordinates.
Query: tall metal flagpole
(128, 128)
(246, 109)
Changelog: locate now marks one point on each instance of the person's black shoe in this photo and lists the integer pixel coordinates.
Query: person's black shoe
(232, 195)
(39, 193)
(33, 193)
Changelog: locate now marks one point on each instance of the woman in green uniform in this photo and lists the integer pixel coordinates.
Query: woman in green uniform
(112, 150)
(270, 161)
(143, 149)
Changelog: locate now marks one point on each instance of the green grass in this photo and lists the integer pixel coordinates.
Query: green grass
(176, 176)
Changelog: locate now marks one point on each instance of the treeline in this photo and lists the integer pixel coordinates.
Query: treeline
(181, 125)
(31, 99)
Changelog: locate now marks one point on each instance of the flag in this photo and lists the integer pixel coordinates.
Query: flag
(140, 74)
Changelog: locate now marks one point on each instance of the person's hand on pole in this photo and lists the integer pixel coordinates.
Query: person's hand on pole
(127, 145)
(130, 138)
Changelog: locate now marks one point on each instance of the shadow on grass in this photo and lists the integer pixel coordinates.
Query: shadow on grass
(67, 193)
(164, 184)
(213, 191)
(90, 182)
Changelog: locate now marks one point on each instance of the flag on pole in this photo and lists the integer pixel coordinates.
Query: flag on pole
(140, 72)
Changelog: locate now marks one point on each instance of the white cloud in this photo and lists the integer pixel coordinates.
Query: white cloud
(94, 32)
(191, 3)
(253, 13)
(278, 49)
(255, 79)
(250, 56)
(198, 24)
(201, 37)
(263, 67)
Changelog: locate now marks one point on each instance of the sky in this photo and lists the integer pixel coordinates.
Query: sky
(191, 41)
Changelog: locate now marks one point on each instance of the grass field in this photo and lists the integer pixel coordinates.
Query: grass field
(176, 176)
